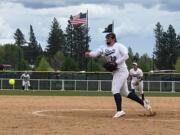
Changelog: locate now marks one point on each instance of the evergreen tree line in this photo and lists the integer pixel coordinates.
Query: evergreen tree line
(65, 51)
(167, 48)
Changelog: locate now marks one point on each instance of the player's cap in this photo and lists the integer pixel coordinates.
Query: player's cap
(134, 63)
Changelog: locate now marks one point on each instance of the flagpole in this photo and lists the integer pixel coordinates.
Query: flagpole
(87, 38)
(71, 42)
(87, 31)
(113, 26)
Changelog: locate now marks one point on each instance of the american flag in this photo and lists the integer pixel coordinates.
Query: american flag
(81, 18)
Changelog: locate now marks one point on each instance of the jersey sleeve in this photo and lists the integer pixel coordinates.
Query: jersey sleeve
(124, 54)
(21, 77)
(96, 53)
(140, 72)
(130, 72)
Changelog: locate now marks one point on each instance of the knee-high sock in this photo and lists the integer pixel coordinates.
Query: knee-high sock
(118, 101)
(134, 97)
(142, 96)
(133, 90)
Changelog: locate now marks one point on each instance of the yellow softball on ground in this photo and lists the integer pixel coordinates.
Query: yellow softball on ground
(11, 81)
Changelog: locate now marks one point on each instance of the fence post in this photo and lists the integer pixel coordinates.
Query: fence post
(173, 86)
(62, 89)
(160, 86)
(1, 84)
(148, 86)
(99, 85)
(87, 85)
(50, 84)
(38, 84)
(75, 85)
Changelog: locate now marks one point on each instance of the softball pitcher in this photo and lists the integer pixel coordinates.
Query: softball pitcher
(117, 54)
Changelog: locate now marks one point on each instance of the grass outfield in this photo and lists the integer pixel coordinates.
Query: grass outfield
(77, 93)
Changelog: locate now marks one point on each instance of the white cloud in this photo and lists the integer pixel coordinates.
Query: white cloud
(171, 5)
(133, 23)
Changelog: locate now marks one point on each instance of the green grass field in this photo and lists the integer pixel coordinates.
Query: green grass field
(77, 93)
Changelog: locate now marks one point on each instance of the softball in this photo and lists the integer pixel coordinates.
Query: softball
(11, 81)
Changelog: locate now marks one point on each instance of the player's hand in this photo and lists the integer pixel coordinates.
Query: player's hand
(136, 83)
(87, 54)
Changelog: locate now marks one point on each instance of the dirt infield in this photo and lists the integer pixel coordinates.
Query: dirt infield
(49, 115)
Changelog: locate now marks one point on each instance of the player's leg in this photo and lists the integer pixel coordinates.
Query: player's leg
(26, 86)
(29, 85)
(118, 101)
(23, 85)
(146, 102)
(142, 95)
(116, 85)
(131, 95)
(125, 92)
(141, 89)
(132, 87)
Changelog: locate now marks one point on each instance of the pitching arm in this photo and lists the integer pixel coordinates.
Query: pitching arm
(94, 53)
(124, 55)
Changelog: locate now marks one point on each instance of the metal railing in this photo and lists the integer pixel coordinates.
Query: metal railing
(87, 85)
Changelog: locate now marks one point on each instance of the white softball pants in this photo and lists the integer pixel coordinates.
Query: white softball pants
(138, 87)
(119, 82)
(25, 83)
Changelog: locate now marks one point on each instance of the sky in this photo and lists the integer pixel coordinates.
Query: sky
(134, 20)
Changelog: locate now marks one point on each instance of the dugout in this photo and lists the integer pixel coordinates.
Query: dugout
(5, 67)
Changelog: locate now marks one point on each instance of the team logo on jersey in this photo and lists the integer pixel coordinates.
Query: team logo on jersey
(135, 75)
(109, 52)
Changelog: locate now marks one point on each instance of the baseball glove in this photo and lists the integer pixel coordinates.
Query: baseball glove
(110, 66)
(136, 83)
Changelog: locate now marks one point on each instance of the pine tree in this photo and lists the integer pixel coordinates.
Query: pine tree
(177, 66)
(178, 45)
(145, 63)
(44, 65)
(19, 38)
(159, 47)
(80, 45)
(131, 58)
(94, 66)
(32, 39)
(68, 41)
(77, 43)
(172, 45)
(136, 57)
(56, 39)
(69, 65)
(34, 49)
(166, 49)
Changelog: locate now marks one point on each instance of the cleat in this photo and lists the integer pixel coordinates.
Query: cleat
(119, 114)
(151, 114)
(147, 106)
